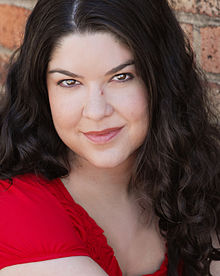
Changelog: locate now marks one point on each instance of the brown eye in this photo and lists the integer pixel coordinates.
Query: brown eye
(123, 77)
(68, 83)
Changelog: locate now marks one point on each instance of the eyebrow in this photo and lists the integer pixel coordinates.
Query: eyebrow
(110, 72)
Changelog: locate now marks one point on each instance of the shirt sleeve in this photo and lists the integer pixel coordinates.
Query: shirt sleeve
(34, 226)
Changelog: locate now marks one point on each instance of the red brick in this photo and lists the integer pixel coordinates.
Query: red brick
(188, 29)
(210, 49)
(210, 7)
(12, 25)
(186, 6)
(4, 58)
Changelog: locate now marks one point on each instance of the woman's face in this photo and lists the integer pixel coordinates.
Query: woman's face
(98, 102)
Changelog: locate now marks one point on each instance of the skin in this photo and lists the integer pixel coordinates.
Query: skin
(98, 99)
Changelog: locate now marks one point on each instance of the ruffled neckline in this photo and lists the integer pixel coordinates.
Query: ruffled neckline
(98, 232)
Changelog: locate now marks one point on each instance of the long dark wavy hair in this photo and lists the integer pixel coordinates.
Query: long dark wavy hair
(177, 167)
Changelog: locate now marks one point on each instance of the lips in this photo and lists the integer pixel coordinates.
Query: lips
(103, 136)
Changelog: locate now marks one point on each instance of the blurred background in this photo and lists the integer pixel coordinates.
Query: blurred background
(200, 19)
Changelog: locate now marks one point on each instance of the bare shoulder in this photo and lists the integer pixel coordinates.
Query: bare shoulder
(215, 265)
(69, 266)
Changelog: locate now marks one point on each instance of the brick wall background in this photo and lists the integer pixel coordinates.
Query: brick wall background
(200, 19)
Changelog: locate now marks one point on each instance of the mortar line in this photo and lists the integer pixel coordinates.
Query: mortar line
(6, 51)
(197, 19)
(19, 3)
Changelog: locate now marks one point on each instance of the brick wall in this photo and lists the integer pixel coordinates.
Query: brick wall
(13, 15)
(199, 18)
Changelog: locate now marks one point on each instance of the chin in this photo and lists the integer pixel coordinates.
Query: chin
(107, 163)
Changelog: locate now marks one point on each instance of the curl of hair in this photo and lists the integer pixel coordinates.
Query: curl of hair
(177, 167)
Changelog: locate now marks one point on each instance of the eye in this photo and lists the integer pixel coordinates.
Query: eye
(123, 77)
(68, 83)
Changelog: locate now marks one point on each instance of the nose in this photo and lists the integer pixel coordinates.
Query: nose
(96, 107)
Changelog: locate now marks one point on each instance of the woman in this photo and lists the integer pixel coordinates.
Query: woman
(106, 127)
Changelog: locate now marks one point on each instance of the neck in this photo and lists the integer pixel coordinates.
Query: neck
(87, 182)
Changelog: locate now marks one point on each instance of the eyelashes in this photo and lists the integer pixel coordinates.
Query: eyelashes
(123, 77)
(120, 78)
(68, 83)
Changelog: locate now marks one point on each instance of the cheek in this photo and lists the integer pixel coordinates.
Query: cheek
(135, 111)
(66, 111)
(133, 106)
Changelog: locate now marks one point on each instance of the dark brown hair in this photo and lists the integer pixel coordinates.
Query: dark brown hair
(177, 167)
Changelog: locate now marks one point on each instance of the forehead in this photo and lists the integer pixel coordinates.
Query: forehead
(91, 50)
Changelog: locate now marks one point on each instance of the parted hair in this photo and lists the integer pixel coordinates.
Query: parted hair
(177, 167)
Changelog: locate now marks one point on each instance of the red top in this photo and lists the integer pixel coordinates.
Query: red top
(40, 221)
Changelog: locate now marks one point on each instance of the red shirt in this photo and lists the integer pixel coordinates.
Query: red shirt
(40, 221)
